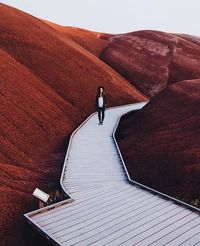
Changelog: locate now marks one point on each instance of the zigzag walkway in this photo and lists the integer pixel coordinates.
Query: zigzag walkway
(106, 207)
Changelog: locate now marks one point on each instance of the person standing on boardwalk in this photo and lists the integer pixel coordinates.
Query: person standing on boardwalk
(101, 103)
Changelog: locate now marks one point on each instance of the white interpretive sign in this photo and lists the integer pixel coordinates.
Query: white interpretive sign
(41, 195)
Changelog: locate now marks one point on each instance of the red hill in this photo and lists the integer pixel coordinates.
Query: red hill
(47, 88)
(151, 60)
(94, 42)
(160, 143)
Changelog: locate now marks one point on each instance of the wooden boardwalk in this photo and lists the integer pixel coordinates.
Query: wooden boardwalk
(106, 208)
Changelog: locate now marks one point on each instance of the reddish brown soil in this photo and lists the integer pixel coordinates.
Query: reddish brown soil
(92, 41)
(150, 60)
(47, 88)
(160, 143)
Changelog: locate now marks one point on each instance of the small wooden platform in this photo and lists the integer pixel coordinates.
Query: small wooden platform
(105, 207)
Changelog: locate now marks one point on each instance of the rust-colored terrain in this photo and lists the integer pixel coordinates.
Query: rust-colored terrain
(151, 60)
(161, 143)
(49, 76)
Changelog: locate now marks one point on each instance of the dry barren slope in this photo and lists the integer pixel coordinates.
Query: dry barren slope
(47, 87)
(94, 42)
(151, 60)
(160, 143)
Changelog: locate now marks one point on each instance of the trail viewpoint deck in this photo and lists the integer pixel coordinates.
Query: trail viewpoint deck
(105, 207)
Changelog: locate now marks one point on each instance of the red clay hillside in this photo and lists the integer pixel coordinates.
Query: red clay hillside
(160, 143)
(151, 60)
(49, 75)
(47, 88)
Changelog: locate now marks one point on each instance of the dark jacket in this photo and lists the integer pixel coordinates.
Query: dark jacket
(104, 101)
